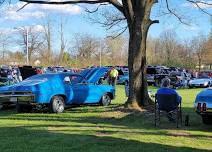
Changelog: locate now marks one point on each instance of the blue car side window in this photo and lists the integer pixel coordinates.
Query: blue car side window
(76, 79)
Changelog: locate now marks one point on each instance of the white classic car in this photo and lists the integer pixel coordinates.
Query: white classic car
(202, 82)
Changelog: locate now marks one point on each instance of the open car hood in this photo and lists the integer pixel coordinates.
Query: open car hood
(94, 74)
(27, 71)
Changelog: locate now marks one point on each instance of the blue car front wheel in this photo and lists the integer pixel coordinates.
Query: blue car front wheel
(57, 104)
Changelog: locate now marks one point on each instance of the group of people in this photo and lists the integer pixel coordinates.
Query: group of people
(10, 74)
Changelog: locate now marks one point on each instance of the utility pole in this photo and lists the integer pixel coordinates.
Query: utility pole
(100, 55)
(27, 45)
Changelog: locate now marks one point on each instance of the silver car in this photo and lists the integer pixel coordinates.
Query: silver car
(201, 82)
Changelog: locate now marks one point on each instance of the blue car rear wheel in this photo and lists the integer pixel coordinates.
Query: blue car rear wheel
(57, 104)
(106, 100)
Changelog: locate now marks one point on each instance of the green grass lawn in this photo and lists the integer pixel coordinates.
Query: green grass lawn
(103, 129)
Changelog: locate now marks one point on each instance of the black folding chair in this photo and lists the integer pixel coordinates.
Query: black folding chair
(167, 104)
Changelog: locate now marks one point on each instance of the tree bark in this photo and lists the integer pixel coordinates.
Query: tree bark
(138, 29)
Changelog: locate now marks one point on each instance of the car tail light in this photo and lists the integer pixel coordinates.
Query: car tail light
(204, 107)
(199, 107)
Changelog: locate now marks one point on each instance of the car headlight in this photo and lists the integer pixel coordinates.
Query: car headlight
(205, 83)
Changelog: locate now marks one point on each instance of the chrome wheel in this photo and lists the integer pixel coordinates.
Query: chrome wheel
(106, 100)
(57, 104)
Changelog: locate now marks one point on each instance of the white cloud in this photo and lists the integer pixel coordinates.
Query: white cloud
(6, 30)
(201, 4)
(37, 28)
(19, 16)
(36, 11)
(192, 27)
(66, 9)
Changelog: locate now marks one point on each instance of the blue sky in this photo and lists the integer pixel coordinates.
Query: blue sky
(76, 22)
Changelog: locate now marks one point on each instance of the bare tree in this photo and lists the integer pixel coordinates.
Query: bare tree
(34, 42)
(169, 44)
(86, 47)
(4, 42)
(48, 38)
(16, 57)
(137, 15)
(199, 48)
(116, 50)
(63, 42)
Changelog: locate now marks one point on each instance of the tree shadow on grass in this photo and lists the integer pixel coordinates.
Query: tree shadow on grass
(23, 139)
(112, 115)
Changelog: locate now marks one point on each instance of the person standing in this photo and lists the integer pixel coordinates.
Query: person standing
(113, 76)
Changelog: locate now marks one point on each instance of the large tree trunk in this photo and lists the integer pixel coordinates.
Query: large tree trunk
(138, 94)
(138, 29)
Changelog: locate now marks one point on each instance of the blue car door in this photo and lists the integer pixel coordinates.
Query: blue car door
(80, 93)
(79, 89)
(94, 93)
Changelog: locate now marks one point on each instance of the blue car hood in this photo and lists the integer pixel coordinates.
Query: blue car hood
(205, 96)
(94, 74)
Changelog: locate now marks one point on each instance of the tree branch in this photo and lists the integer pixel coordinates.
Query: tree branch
(174, 13)
(198, 3)
(22, 7)
(93, 11)
(66, 2)
(117, 5)
(119, 33)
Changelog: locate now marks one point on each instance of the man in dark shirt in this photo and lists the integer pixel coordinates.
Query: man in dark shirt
(165, 89)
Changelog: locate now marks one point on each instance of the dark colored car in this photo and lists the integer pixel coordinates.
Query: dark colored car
(179, 79)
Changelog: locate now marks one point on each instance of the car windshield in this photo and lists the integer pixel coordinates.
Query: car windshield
(203, 76)
(175, 74)
(152, 71)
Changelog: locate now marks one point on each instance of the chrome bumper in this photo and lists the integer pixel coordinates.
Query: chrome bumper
(14, 97)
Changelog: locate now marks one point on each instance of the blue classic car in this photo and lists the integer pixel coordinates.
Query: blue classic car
(57, 90)
(203, 105)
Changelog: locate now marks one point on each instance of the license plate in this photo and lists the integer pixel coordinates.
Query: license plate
(13, 99)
